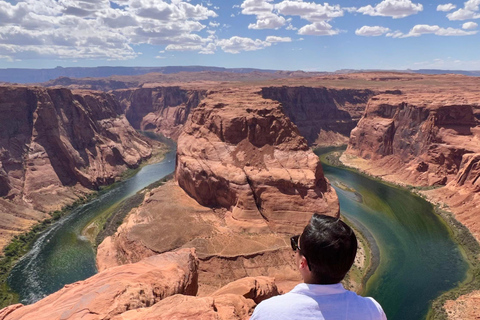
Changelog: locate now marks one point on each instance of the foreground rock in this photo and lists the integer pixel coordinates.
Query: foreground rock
(55, 146)
(116, 290)
(158, 287)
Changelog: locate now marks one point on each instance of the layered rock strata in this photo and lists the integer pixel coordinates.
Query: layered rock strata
(241, 153)
(323, 116)
(162, 109)
(159, 287)
(55, 145)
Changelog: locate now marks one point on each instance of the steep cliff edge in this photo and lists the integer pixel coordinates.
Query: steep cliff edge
(163, 109)
(241, 152)
(323, 116)
(56, 144)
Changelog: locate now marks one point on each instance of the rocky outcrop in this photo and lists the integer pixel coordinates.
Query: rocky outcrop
(169, 219)
(159, 287)
(427, 139)
(241, 153)
(116, 290)
(416, 139)
(323, 116)
(55, 145)
(163, 109)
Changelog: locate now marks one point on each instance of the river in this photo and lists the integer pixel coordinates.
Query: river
(61, 255)
(418, 258)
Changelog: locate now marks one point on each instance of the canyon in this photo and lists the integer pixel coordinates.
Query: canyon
(245, 176)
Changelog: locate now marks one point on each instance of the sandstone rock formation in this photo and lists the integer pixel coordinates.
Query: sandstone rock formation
(163, 109)
(417, 139)
(158, 287)
(116, 290)
(55, 145)
(323, 116)
(241, 153)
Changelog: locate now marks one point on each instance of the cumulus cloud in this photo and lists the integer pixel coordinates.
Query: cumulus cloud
(469, 11)
(371, 31)
(446, 7)
(469, 25)
(236, 44)
(278, 39)
(263, 10)
(392, 8)
(100, 29)
(422, 29)
(310, 11)
(321, 28)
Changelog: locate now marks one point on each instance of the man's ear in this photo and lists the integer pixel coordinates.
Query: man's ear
(302, 263)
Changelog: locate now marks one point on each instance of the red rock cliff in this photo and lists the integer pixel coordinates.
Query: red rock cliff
(323, 116)
(164, 109)
(53, 143)
(240, 152)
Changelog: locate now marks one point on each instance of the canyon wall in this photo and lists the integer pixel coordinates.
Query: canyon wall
(163, 109)
(56, 145)
(323, 116)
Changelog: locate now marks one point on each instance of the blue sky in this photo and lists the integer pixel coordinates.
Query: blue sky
(267, 34)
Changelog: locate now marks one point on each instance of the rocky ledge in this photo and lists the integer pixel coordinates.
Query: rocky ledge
(159, 287)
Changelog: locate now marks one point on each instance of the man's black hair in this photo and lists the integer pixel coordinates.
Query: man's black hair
(330, 247)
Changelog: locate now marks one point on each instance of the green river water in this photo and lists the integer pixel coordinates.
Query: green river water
(418, 259)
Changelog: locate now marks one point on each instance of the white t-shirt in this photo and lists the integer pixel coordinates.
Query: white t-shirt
(319, 302)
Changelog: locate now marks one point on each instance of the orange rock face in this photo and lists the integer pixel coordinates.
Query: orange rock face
(158, 287)
(242, 153)
(54, 146)
(116, 290)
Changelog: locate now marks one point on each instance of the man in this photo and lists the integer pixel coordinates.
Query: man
(324, 253)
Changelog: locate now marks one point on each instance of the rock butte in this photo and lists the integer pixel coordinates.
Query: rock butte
(419, 129)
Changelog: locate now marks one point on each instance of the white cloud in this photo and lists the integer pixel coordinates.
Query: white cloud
(318, 29)
(421, 29)
(448, 63)
(268, 22)
(371, 31)
(469, 11)
(236, 44)
(263, 10)
(278, 39)
(310, 11)
(469, 25)
(392, 8)
(446, 7)
(100, 29)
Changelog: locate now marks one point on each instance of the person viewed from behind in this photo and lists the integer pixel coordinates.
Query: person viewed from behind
(324, 253)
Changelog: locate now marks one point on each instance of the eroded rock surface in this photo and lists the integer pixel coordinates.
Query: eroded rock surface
(162, 109)
(241, 153)
(159, 287)
(116, 290)
(323, 116)
(55, 145)
(427, 139)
